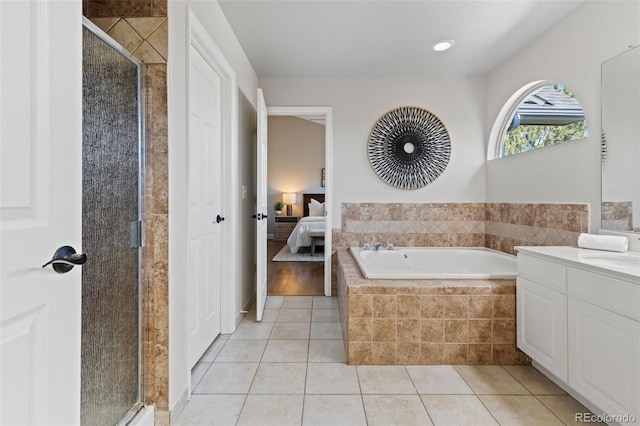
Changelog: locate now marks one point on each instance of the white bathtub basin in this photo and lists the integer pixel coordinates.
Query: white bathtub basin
(434, 263)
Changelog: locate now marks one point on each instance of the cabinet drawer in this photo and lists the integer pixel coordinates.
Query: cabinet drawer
(610, 293)
(281, 236)
(548, 273)
(284, 227)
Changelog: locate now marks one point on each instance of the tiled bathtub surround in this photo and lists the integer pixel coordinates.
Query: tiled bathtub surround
(510, 224)
(617, 215)
(426, 321)
(499, 226)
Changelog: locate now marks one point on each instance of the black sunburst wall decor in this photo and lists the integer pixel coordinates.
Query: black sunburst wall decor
(409, 147)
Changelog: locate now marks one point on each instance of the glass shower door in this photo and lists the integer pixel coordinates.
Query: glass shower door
(110, 216)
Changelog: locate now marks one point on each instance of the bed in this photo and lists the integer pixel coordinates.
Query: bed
(305, 234)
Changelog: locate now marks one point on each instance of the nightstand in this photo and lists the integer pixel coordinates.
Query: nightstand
(283, 227)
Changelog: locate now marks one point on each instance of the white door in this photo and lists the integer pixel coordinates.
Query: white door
(205, 217)
(261, 206)
(40, 210)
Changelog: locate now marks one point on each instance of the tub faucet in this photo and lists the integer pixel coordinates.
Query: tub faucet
(386, 246)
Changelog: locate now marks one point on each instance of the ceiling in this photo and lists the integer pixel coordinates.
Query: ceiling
(330, 38)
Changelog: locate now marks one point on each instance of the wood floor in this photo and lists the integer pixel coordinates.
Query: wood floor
(293, 278)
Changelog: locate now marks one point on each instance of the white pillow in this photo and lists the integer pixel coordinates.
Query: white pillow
(316, 209)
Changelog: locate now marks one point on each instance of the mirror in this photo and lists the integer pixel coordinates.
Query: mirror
(621, 142)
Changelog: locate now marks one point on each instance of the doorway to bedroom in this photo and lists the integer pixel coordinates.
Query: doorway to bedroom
(296, 198)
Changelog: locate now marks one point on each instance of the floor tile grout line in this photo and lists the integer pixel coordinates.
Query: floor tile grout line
(476, 395)
(535, 395)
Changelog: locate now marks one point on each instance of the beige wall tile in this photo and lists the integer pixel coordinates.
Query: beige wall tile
(431, 353)
(456, 331)
(432, 330)
(504, 354)
(383, 353)
(408, 306)
(455, 353)
(360, 306)
(432, 306)
(480, 331)
(504, 331)
(145, 26)
(407, 353)
(147, 54)
(408, 330)
(359, 353)
(159, 40)
(480, 306)
(384, 306)
(125, 35)
(105, 24)
(504, 306)
(360, 330)
(384, 330)
(479, 354)
(456, 307)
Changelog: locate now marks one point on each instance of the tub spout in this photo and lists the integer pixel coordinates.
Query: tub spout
(386, 246)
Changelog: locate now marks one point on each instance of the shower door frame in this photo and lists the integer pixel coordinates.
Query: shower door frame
(142, 164)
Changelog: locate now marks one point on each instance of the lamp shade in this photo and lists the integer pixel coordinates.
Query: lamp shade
(289, 198)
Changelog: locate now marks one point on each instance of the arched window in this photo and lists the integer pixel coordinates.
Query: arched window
(539, 115)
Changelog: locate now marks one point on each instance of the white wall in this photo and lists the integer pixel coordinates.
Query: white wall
(571, 53)
(359, 102)
(295, 159)
(211, 16)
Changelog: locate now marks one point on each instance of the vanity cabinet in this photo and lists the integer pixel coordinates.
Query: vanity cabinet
(604, 341)
(542, 313)
(582, 325)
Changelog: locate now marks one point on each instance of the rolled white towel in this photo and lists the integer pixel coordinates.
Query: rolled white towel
(603, 242)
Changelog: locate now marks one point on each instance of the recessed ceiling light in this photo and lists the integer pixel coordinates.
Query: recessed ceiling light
(442, 45)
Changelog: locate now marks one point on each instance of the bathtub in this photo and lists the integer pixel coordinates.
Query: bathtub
(435, 263)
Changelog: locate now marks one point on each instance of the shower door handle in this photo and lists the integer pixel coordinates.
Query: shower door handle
(65, 258)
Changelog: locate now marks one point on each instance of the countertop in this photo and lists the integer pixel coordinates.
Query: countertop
(625, 266)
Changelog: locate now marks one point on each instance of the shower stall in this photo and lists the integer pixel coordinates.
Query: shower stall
(112, 157)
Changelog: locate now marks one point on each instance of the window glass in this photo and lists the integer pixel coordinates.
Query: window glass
(549, 115)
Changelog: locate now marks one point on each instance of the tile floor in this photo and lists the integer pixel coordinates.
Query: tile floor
(290, 370)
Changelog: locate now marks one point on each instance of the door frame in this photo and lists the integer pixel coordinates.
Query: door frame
(199, 38)
(327, 112)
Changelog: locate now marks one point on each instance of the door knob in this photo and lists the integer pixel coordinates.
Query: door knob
(65, 258)
(219, 219)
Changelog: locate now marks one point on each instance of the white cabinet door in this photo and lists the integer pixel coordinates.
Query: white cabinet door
(541, 325)
(40, 210)
(604, 355)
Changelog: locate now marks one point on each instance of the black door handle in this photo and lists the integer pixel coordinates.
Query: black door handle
(259, 216)
(65, 258)
(219, 219)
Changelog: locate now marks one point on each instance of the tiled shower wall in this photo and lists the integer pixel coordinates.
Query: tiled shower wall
(499, 226)
(141, 28)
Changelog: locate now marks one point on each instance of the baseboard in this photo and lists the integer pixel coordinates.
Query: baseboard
(246, 307)
(179, 406)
